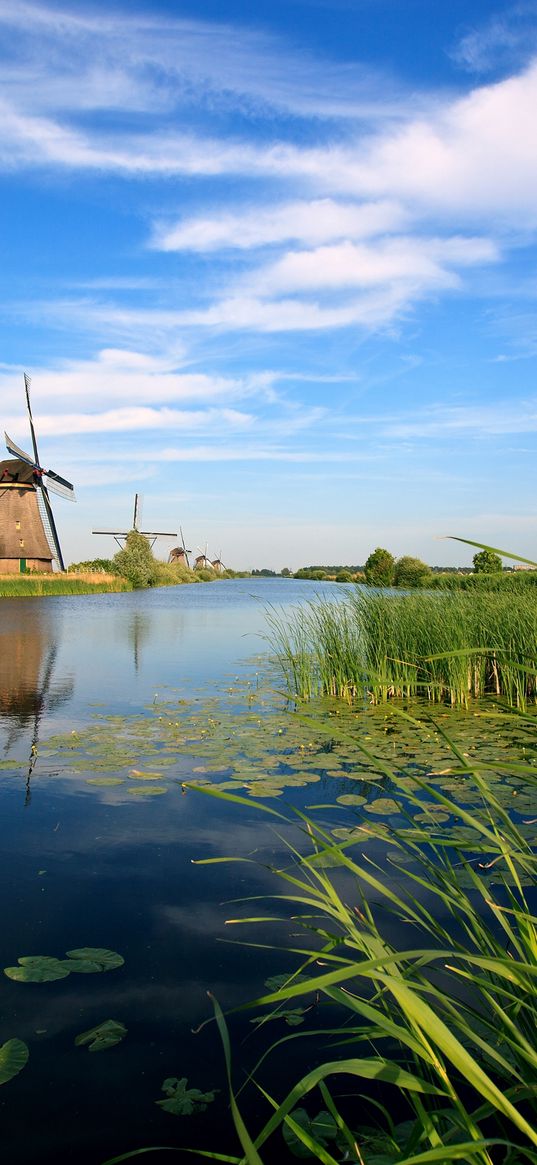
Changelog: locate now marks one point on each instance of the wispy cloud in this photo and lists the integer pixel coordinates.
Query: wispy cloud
(501, 42)
(318, 221)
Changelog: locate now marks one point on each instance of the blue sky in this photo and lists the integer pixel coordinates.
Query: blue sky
(274, 267)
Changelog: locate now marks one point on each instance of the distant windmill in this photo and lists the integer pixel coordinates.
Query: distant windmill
(151, 535)
(201, 560)
(28, 535)
(180, 554)
(217, 564)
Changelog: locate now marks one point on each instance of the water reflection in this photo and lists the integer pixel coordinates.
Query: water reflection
(138, 632)
(29, 686)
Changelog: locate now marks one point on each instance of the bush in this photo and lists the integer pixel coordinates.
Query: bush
(487, 562)
(411, 572)
(379, 568)
(136, 561)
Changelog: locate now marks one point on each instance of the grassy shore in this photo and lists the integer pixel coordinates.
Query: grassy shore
(29, 585)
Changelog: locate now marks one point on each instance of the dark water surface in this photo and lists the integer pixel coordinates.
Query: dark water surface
(92, 866)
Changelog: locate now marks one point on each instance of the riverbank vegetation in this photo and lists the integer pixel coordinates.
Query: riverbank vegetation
(17, 586)
(445, 647)
(137, 564)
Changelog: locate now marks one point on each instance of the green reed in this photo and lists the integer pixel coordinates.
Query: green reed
(445, 1021)
(447, 647)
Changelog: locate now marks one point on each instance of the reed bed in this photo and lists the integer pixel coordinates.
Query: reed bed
(31, 585)
(444, 1021)
(446, 647)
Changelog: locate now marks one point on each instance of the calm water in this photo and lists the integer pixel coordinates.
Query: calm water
(83, 866)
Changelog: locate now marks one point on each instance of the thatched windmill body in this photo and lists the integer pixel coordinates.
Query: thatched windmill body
(28, 535)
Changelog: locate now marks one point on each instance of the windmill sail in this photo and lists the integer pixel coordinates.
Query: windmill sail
(57, 484)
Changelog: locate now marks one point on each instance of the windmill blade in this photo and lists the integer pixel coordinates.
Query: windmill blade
(17, 452)
(187, 552)
(56, 483)
(137, 516)
(59, 485)
(27, 383)
(52, 526)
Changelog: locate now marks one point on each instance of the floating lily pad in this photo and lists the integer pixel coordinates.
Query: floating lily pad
(432, 817)
(106, 782)
(104, 1035)
(293, 1017)
(148, 790)
(37, 969)
(384, 806)
(13, 1058)
(183, 1101)
(350, 799)
(322, 1129)
(88, 960)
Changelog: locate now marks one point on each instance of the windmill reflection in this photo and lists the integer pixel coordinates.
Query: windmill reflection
(28, 688)
(138, 630)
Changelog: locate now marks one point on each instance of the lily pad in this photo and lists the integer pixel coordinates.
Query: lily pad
(322, 1129)
(351, 799)
(383, 805)
(87, 960)
(148, 790)
(37, 969)
(13, 1058)
(106, 782)
(183, 1101)
(104, 1035)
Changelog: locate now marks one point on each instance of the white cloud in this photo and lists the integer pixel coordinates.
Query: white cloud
(415, 262)
(118, 375)
(317, 221)
(155, 63)
(137, 419)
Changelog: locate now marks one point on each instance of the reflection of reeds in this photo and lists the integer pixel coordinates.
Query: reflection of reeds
(21, 586)
(447, 647)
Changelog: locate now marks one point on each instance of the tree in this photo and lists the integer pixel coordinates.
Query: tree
(379, 568)
(136, 561)
(411, 572)
(487, 562)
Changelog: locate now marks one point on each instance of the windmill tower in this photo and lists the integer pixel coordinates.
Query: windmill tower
(28, 535)
(151, 535)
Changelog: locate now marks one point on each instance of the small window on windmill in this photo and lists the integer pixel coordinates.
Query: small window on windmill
(17, 525)
(21, 541)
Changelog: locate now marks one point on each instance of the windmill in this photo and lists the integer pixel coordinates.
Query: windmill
(217, 565)
(180, 554)
(151, 535)
(28, 535)
(201, 560)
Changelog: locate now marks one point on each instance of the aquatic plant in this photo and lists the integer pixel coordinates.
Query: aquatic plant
(445, 1022)
(446, 647)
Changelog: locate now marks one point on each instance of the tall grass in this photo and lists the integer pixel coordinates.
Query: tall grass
(448, 647)
(26, 585)
(445, 1022)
